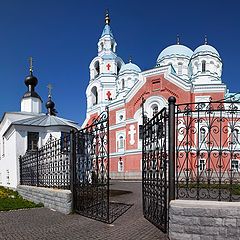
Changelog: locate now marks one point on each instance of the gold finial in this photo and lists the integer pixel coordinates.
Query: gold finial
(107, 18)
(178, 39)
(31, 64)
(205, 40)
(49, 86)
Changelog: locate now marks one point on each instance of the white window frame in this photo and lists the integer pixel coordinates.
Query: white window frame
(180, 69)
(203, 66)
(121, 142)
(120, 113)
(235, 162)
(120, 148)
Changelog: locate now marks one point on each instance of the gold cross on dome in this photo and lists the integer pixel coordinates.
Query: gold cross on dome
(49, 86)
(31, 64)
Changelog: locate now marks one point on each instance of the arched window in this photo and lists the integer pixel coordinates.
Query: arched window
(154, 109)
(101, 46)
(202, 135)
(118, 67)
(203, 66)
(96, 69)
(235, 136)
(180, 67)
(123, 84)
(94, 94)
(121, 142)
(235, 165)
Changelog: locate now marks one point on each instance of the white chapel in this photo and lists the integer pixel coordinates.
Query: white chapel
(28, 130)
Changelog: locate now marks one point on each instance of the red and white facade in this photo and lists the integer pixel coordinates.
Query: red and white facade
(190, 76)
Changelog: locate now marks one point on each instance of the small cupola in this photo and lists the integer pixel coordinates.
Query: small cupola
(206, 64)
(128, 76)
(50, 105)
(31, 101)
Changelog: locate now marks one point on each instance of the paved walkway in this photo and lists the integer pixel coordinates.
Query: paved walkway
(43, 223)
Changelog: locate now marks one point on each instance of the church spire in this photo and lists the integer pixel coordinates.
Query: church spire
(107, 43)
(107, 18)
(107, 29)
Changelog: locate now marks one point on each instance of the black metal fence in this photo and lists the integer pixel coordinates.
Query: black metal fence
(48, 166)
(154, 170)
(79, 162)
(191, 151)
(91, 181)
(208, 151)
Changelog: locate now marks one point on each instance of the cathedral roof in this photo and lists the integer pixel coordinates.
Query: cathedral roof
(46, 121)
(175, 50)
(205, 48)
(130, 67)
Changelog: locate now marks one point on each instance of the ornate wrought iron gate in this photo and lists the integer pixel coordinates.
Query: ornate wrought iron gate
(91, 169)
(154, 170)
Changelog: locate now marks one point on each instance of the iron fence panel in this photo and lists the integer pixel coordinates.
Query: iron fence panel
(208, 151)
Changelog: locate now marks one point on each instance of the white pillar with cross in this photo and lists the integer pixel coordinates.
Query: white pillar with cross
(108, 66)
(132, 133)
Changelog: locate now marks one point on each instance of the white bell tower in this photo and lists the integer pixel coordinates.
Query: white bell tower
(104, 70)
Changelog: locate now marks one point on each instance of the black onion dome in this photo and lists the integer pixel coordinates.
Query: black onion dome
(50, 104)
(31, 80)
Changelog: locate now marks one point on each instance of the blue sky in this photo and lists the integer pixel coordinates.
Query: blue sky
(62, 37)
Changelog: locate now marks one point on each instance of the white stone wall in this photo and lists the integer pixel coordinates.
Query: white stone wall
(204, 220)
(59, 200)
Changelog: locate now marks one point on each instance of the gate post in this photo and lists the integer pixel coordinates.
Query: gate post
(171, 147)
(72, 166)
(20, 168)
(37, 156)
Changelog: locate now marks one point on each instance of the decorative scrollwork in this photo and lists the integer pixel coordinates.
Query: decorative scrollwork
(208, 150)
(154, 167)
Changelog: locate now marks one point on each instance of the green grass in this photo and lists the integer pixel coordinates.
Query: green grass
(234, 188)
(11, 200)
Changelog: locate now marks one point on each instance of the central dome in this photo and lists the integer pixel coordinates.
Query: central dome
(175, 50)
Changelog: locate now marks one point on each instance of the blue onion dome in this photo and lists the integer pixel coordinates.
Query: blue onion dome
(130, 67)
(207, 49)
(31, 80)
(176, 50)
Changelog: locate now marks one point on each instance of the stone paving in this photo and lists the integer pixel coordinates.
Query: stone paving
(43, 223)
